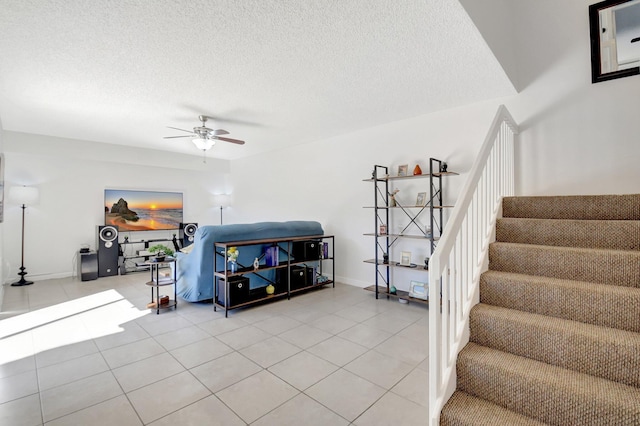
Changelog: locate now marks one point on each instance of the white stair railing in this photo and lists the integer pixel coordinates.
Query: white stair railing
(462, 255)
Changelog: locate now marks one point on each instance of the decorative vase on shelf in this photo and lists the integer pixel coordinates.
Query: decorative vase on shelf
(417, 170)
(392, 198)
(270, 289)
(233, 266)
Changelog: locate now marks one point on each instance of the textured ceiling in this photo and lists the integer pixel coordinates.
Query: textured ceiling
(275, 72)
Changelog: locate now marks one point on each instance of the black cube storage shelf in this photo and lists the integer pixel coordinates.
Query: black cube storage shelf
(305, 258)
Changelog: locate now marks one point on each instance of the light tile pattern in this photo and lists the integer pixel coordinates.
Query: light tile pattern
(75, 352)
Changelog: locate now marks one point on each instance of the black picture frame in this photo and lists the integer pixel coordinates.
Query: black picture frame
(597, 76)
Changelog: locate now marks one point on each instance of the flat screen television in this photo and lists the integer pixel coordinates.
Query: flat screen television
(142, 210)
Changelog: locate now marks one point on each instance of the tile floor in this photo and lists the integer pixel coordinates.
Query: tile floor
(76, 353)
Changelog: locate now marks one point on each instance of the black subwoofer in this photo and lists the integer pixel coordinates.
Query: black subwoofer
(187, 233)
(107, 244)
(88, 266)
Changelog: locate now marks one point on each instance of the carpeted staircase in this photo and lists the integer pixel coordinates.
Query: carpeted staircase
(556, 336)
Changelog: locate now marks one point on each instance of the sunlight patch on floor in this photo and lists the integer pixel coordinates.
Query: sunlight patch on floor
(65, 323)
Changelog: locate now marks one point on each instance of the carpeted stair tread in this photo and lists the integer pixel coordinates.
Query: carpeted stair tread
(613, 267)
(463, 409)
(550, 394)
(556, 336)
(602, 234)
(590, 207)
(590, 349)
(597, 304)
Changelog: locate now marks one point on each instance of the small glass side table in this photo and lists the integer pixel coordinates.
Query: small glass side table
(158, 281)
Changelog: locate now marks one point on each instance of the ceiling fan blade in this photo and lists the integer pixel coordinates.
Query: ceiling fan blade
(236, 141)
(219, 132)
(172, 137)
(182, 130)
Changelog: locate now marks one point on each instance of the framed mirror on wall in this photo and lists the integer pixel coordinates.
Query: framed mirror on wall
(615, 39)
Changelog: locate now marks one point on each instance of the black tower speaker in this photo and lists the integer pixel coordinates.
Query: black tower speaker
(107, 245)
(187, 232)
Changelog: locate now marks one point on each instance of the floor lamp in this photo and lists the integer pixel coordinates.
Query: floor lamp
(222, 200)
(25, 195)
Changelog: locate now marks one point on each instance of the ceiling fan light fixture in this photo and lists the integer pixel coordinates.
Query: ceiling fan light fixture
(203, 137)
(203, 144)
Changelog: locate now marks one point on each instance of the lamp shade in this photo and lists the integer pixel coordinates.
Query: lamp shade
(222, 200)
(203, 143)
(27, 195)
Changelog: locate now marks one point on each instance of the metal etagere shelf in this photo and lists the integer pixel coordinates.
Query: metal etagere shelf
(383, 208)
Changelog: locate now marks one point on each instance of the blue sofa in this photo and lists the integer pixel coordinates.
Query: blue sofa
(195, 270)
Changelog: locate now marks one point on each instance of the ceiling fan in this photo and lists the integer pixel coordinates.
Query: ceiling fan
(203, 137)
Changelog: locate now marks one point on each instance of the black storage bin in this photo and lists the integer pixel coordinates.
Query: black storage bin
(306, 250)
(238, 290)
(282, 280)
(301, 276)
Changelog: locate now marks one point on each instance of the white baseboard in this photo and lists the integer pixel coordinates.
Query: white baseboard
(350, 281)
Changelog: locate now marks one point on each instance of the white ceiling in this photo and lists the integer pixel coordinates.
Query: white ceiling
(275, 72)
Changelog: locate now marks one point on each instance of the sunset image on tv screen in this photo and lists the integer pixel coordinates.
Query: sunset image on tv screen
(142, 210)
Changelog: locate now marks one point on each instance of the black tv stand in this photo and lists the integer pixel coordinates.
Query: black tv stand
(144, 245)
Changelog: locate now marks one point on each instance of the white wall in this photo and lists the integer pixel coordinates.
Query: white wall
(577, 137)
(323, 181)
(72, 176)
(4, 207)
